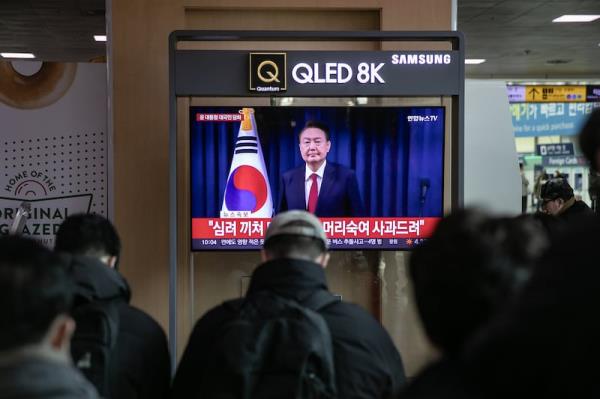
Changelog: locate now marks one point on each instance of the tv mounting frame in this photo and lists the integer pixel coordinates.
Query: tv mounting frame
(421, 81)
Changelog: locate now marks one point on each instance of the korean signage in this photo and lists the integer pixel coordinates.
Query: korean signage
(593, 93)
(516, 94)
(342, 233)
(561, 149)
(555, 94)
(549, 119)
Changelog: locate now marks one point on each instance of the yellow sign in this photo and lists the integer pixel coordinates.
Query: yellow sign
(555, 94)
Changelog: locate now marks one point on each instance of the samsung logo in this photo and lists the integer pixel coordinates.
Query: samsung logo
(421, 59)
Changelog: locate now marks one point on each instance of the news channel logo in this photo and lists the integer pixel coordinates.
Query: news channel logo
(422, 118)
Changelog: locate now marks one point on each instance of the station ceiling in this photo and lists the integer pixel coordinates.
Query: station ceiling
(516, 37)
(519, 40)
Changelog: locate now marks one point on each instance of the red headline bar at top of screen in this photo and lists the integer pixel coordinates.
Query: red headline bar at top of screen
(334, 227)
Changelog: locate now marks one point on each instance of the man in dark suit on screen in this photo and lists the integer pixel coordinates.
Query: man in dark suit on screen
(324, 188)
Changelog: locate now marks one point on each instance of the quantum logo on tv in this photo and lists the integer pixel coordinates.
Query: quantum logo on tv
(421, 118)
(268, 72)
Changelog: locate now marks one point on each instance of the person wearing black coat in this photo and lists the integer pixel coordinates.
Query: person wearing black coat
(545, 343)
(367, 364)
(558, 200)
(36, 329)
(543, 346)
(463, 276)
(141, 367)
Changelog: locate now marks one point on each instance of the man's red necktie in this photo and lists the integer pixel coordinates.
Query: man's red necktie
(313, 194)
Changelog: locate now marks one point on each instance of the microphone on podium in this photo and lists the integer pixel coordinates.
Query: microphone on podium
(425, 184)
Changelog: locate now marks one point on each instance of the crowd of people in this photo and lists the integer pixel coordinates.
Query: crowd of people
(69, 330)
(507, 301)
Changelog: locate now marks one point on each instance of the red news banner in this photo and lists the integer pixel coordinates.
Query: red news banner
(335, 228)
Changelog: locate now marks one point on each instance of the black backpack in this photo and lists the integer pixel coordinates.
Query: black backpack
(94, 339)
(274, 348)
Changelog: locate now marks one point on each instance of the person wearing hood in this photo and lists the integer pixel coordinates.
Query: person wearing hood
(141, 365)
(35, 328)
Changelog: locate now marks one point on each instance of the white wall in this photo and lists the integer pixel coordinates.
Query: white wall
(492, 177)
(54, 153)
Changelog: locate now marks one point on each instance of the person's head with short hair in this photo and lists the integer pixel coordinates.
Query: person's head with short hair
(296, 235)
(589, 139)
(468, 270)
(554, 194)
(314, 144)
(89, 235)
(35, 298)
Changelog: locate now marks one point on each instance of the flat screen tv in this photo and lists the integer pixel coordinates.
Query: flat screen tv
(381, 187)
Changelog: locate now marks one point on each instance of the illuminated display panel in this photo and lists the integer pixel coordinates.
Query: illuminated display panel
(388, 192)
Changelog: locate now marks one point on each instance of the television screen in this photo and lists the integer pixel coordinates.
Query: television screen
(378, 173)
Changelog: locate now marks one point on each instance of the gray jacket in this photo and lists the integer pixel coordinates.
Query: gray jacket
(31, 376)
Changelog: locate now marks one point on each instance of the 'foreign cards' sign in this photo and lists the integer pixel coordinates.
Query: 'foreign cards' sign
(558, 161)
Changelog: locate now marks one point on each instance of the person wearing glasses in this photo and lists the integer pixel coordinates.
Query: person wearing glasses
(558, 200)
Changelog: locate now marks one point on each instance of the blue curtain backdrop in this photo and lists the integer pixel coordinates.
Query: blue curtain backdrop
(398, 163)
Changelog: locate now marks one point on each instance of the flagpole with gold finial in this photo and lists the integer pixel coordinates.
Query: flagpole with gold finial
(247, 122)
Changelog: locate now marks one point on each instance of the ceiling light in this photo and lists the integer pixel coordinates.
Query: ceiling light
(473, 61)
(17, 55)
(576, 18)
(100, 38)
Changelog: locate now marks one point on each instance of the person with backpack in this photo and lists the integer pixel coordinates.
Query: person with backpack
(289, 337)
(119, 348)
